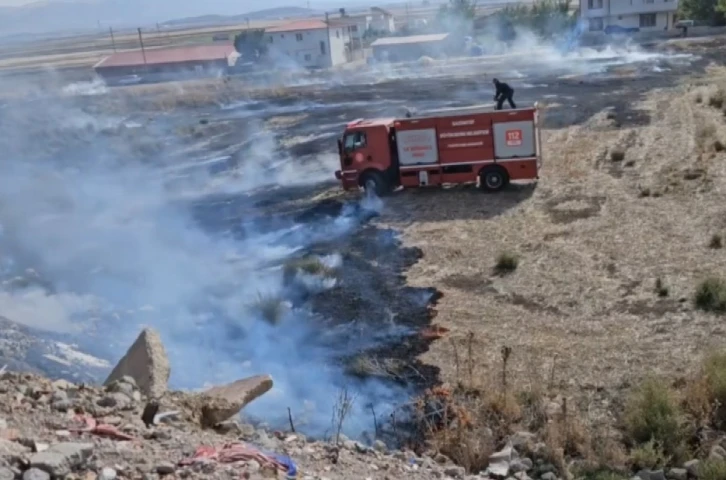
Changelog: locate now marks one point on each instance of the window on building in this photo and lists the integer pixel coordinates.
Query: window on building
(308, 57)
(354, 28)
(322, 47)
(354, 141)
(282, 35)
(647, 20)
(337, 34)
(596, 24)
(298, 37)
(648, 1)
(594, 4)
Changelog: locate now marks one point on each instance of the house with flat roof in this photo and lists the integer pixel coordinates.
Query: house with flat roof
(628, 16)
(413, 47)
(201, 60)
(308, 43)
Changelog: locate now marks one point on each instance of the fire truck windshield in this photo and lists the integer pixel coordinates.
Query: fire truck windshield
(354, 141)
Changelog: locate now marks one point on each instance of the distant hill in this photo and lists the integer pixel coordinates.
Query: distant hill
(266, 14)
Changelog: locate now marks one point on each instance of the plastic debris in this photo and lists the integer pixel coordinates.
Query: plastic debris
(91, 425)
(241, 452)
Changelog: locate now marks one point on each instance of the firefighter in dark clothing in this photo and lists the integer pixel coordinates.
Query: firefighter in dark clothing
(504, 92)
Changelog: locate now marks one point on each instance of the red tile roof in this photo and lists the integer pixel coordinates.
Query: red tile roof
(297, 26)
(168, 55)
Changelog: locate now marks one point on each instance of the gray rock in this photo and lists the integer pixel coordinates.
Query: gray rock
(6, 474)
(455, 471)
(548, 476)
(717, 453)
(121, 386)
(546, 468)
(3, 423)
(62, 405)
(522, 476)
(146, 362)
(61, 458)
(114, 400)
(226, 401)
(499, 462)
(651, 475)
(59, 396)
(677, 474)
(522, 439)
(380, 446)
(521, 465)
(165, 468)
(692, 467)
(35, 474)
(107, 473)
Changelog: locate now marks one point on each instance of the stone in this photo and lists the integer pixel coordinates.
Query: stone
(61, 458)
(522, 476)
(35, 474)
(59, 396)
(651, 475)
(692, 467)
(455, 471)
(147, 363)
(548, 476)
(224, 402)
(165, 468)
(6, 474)
(717, 453)
(107, 473)
(522, 439)
(380, 446)
(114, 400)
(520, 465)
(499, 462)
(677, 474)
(3, 423)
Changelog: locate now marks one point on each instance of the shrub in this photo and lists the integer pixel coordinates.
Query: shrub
(506, 263)
(711, 295)
(649, 456)
(311, 265)
(717, 99)
(652, 416)
(716, 242)
(660, 289)
(714, 373)
(271, 307)
(712, 470)
(617, 155)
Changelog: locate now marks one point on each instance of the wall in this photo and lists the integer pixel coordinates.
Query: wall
(625, 13)
(303, 48)
(410, 51)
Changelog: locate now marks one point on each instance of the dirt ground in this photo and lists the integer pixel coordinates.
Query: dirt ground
(581, 311)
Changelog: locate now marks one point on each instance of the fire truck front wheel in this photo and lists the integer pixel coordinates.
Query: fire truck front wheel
(493, 179)
(374, 181)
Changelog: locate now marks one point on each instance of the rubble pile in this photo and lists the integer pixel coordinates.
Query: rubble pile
(134, 428)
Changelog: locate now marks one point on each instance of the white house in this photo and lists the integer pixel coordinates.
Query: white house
(308, 43)
(612, 16)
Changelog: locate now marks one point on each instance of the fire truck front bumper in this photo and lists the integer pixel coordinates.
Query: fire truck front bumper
(348, 178)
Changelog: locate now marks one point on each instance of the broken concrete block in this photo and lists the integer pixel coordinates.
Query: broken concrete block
(146, 362)
(223, 402)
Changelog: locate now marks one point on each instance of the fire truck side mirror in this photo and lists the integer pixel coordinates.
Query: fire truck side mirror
(340, 147)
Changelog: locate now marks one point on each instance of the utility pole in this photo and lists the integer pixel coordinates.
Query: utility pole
(141, 41)
(113, 40)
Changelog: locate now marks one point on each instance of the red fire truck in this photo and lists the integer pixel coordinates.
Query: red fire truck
(439, 147)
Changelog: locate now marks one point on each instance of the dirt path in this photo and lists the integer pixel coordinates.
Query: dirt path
(592, 238)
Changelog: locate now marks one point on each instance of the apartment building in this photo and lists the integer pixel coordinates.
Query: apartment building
(629, 16)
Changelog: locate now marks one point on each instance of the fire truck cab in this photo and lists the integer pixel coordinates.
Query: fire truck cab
(440, 147)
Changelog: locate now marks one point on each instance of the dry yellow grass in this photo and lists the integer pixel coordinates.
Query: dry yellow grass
(591, 246)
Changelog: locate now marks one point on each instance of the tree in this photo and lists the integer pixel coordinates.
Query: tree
(250, 44)
(707, 11)
(464, 9)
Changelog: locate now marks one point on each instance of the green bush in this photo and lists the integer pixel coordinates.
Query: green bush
(712, 470)
(649, 456)
(506, 263)
(711, 295)
(653, 419)
(714, 371)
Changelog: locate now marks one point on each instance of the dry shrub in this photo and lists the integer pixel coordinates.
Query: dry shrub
(698, 402)
(566, 436)
(716, 242)
(711, 295)
(507, 262)
(272, 308)
(653, 418)
(660, 288)
(712, 469)
(717, 98)
(617, 155)
(705, 133)
(311, 265)
(714, 374)
(649, 456)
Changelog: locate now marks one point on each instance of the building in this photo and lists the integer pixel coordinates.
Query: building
(400, 49)
(615, 16)
(376, 22)
(200, 60)
(307, 43)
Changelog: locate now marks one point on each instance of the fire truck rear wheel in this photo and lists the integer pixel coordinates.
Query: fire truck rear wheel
(374, 182)
(493, 179)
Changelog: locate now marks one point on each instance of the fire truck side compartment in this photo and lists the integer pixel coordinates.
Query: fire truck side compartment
(515, 140)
